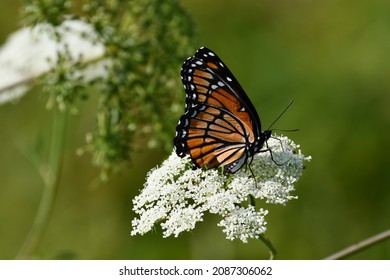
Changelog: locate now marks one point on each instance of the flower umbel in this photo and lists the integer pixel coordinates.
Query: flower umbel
(176, 196)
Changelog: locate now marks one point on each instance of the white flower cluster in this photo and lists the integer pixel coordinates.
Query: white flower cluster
(32, 51)
(177, 196)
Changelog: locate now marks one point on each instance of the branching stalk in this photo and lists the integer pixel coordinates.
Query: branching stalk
(51, 178)
(355, 248)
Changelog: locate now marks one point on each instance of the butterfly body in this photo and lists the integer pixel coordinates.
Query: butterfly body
(220, 126)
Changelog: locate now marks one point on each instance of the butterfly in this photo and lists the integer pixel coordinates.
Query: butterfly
(220, 126)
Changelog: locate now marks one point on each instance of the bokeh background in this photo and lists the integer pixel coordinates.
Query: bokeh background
(331, 57)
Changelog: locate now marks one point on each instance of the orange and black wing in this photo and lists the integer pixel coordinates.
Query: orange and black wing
(220, 124)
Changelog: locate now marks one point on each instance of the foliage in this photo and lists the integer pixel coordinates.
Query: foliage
(145, 42)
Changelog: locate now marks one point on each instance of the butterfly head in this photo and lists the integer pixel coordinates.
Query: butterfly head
(259, 143)
(265, 135)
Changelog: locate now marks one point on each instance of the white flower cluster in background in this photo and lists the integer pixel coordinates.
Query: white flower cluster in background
(32, 51)
(177, 196)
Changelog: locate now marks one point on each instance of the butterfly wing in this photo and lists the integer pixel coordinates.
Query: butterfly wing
(220, 123)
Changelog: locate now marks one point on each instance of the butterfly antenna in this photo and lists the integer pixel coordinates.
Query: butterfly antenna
(286, 130)
(281, 114)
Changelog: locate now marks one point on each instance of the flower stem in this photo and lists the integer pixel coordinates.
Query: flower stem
(353, 249)
(50, 176)
(252, 200)
(271, 248)
(262, 237)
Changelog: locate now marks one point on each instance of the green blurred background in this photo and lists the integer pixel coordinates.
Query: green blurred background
(331, 57)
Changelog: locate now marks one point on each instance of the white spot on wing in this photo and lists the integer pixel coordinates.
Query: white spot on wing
(229, 79)
(211, 54)
(221, 84)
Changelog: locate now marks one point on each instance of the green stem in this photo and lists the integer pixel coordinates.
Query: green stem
(252, 200)
(271, 248)
(262, 237)
(51, 177)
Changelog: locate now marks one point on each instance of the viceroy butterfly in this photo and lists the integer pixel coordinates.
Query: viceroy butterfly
(220, 126)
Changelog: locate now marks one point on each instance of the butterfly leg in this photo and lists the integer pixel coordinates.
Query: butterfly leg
(253, 174)
(280, 141)
(270, 152)
(250, 169)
